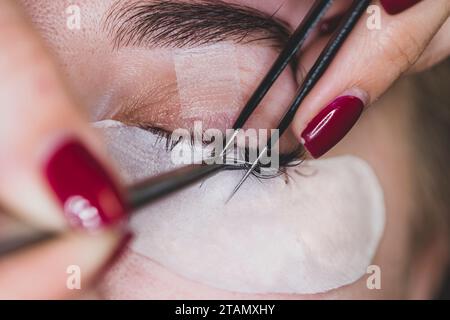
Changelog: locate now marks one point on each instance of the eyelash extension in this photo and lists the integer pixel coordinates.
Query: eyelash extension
(292, 159)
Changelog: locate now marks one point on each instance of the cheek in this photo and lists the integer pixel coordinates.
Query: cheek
(137, 277)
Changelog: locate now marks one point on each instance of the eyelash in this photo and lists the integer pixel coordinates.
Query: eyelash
(290, 160)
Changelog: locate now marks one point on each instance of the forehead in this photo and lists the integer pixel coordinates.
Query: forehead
(51, 18)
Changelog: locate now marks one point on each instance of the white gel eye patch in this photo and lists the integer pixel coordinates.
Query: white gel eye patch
(139, 153)
(316, 233)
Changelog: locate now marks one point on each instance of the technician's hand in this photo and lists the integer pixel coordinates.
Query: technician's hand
(414, 36)
(51, 171)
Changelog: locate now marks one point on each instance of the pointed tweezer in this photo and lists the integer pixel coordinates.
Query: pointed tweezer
(325, 59)
(295, 42)
(139, 195)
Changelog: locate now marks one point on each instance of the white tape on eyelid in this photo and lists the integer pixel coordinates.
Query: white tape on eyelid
(208, 81)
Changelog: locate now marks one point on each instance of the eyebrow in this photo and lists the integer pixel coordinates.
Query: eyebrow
(180, 24)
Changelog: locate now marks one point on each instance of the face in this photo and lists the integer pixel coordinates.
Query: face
(311, 233)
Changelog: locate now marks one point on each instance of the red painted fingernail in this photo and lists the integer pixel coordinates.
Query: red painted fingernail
(397, 6)
(330, 25)
(87, 194)
(331, 125)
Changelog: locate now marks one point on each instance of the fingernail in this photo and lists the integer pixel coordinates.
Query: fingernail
(87, 194)
(397, 6)
(328, 26)
(332, 124)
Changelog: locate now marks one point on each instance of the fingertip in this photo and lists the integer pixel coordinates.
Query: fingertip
(61, 268)
(88, 197)
(394, 7)
(333, 123)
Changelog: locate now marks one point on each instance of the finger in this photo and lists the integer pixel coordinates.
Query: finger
(59, 269)
(366, 66)
(437, 51)
(53, 162)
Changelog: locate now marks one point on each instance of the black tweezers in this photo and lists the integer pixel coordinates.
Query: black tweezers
(155, 188)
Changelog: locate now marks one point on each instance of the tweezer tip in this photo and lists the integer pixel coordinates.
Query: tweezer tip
(247, 174)
(236, 189)
(239, 185)
(231, 196)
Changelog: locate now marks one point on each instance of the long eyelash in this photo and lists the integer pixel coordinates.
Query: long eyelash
(289, 160)
(162, 135)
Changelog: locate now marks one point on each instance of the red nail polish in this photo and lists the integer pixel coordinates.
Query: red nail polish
(397, 6)
(87, 194)
(332, 124)
(328, 26)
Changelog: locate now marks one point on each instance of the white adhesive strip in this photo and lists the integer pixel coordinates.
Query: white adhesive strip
(208, 81)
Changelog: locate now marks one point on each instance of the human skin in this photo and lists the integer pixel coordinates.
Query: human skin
(371, 138)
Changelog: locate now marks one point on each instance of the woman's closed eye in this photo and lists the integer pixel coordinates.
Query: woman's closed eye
(203, 70)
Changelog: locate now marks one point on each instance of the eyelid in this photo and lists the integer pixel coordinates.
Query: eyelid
(287, 160)
(152, 100)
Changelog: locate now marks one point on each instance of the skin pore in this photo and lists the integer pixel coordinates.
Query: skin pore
(104, 78)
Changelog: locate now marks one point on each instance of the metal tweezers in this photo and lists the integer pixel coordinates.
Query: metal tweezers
(150, 190)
